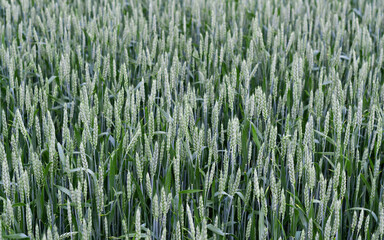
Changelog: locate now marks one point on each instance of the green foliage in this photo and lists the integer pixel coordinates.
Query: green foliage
(191, 119)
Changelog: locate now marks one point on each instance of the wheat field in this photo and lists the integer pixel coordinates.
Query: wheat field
(191, 119)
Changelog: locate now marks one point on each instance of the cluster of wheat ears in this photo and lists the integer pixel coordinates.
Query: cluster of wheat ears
(193, 119)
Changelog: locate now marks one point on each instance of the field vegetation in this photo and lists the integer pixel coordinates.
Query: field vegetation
(195, 119)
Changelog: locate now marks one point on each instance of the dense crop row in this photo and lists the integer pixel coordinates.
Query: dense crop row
(193, 119)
